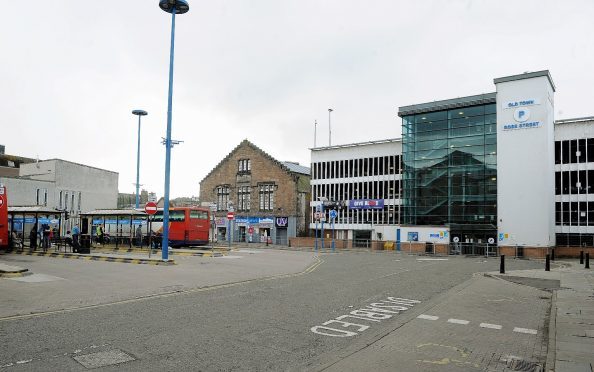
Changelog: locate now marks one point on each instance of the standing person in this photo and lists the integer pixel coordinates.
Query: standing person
(139, 236)
(46, 236)
(75, 233)
(33, 238)
(99, 234)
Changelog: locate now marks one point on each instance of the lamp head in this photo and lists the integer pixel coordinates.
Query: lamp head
(179, 6)
(140, 112)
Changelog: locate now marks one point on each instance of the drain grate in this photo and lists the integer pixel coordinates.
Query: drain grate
(103, 358)
(523, 365)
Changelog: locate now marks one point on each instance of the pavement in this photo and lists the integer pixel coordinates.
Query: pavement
(571, 334)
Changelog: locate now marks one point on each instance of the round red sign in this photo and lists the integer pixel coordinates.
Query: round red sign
(230, 215)
(150, 208)
(251, 230)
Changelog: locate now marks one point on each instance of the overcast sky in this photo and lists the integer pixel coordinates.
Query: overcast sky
(72, 72)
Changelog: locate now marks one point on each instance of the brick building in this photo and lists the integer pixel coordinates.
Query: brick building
(270, 198)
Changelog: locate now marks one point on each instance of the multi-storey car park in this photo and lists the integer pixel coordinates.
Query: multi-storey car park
(492, 169)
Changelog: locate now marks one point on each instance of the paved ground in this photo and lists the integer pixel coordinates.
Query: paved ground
(271, 324)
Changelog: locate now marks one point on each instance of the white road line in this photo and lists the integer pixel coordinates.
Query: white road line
(525, 330)
(432, 259)
(492, 326)
(458, 321)
(428, 317)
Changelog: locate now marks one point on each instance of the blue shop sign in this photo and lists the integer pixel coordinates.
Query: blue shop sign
(366, 204)
(413, 236)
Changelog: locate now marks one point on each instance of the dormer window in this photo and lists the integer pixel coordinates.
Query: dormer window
(244, 166)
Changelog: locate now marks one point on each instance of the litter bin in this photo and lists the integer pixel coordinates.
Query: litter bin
(429, 247)
(85, 244)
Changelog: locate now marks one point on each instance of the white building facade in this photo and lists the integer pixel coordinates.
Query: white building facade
(361, 182)
(493, 169)
(63, 185)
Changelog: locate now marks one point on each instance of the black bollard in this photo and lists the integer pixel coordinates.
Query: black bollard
(587, 260)
(553, 254)
(581, 257)
(548, 263)
(502, 265)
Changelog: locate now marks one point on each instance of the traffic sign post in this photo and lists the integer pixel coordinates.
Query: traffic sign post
(333, 215)
(230, 217)
(150, 208)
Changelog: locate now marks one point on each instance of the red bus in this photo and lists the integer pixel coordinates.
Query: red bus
(187, 225)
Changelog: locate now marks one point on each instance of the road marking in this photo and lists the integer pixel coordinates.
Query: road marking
(525, 330)
(428, 317)
(36, 278)
(375, 312)
(231, 257)
(432, 259)
(458, 321)
(491, 326)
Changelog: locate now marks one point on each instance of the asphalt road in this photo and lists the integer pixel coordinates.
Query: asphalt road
(256, 325)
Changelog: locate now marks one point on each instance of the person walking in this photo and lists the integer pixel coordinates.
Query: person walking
(99, 234)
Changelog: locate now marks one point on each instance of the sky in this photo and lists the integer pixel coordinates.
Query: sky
(264, 70)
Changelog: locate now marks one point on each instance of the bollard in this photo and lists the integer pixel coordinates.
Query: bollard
(587, 260)
(553, 254)
(581, 257)
(548, 263)
(502, 265)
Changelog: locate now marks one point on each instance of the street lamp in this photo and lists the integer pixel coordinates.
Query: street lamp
(139, 113)
(329, 128)
(174, 7)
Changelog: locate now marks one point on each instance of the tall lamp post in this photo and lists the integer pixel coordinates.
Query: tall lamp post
(140, 113)
(329, 127)
(174, 7)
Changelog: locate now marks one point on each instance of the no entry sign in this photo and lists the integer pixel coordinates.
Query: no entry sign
(150, 208)
(230, 216)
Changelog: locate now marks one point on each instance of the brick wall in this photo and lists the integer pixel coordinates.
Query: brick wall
(264, 169)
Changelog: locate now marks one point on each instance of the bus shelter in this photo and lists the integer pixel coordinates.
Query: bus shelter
(26, 222)
(122, 227)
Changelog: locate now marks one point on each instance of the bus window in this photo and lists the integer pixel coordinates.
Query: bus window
(201, 215)
(174, 216)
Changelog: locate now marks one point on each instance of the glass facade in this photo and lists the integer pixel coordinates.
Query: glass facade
(450, 170)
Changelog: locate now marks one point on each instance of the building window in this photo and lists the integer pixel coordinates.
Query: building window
(243, 198)
(222, 197)
(267, 197)
(244, 166)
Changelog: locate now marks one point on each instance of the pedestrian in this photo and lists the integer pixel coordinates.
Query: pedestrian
(139, 236)
(75, 233)
(46, 236)
(33, 238)
(99, 234)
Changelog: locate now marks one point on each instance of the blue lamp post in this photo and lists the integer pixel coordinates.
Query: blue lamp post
(174, 7)
(139, 113)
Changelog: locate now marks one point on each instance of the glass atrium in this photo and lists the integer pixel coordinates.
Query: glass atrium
(450, 170)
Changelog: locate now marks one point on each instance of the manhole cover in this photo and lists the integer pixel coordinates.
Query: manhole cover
(103, 358)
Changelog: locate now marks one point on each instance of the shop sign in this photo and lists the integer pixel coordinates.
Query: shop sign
(366, 204)
(521, 103)
(413, 236)
(281, 221)
(266, 220)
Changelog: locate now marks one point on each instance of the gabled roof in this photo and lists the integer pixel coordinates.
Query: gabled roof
(245, 142)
